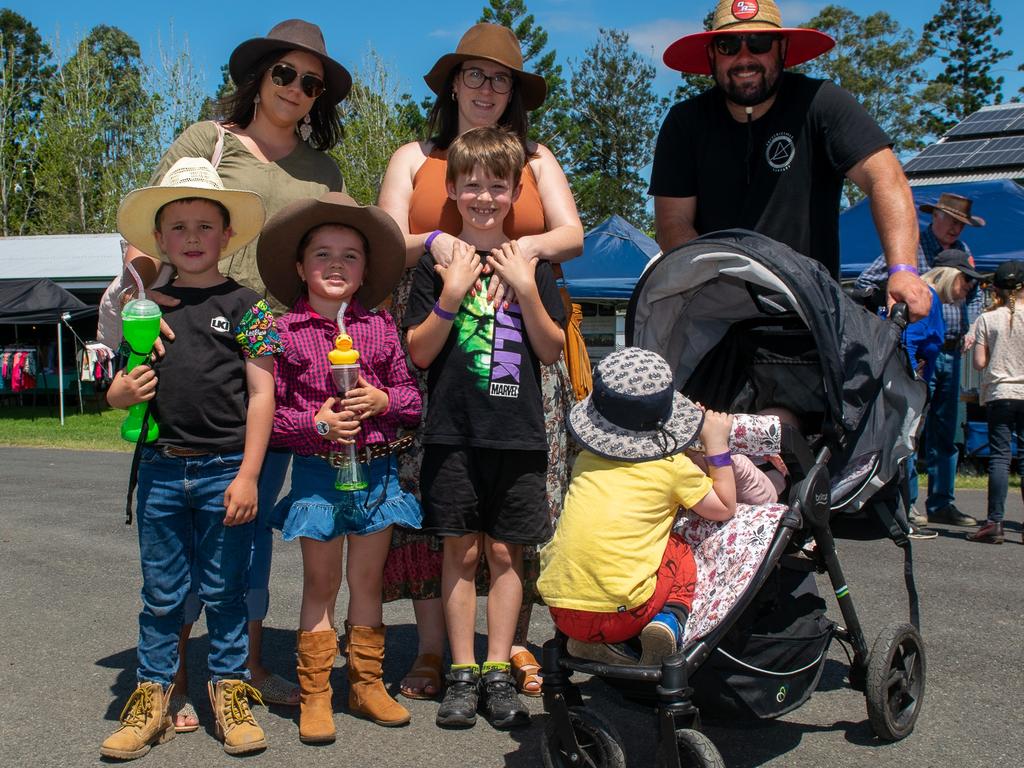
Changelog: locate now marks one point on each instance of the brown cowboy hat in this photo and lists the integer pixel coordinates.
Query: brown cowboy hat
(955, 206)
(690, 53)
(279, 243)
(491, 42)
(293, 35)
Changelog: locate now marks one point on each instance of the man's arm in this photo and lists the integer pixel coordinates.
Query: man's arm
(673, 221)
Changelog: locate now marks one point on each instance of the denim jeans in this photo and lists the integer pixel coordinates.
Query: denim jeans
(1004, 418)
(181, 533)
(940, 431)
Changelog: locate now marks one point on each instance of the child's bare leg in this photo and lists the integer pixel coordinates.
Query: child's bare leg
(505, 598)
(458, 594)
(321, 580)
(183, 718)
(431, 634)
(365, 572)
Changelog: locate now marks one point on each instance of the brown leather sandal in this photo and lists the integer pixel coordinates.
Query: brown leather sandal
(427, 666)
(525, 670)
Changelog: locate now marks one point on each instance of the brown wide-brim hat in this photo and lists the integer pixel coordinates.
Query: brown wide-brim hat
(690, 53)
(955, 206)
(279, 243)
(490, 42)
(293, 35)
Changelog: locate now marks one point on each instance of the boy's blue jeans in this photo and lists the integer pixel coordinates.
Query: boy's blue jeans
(181, 524)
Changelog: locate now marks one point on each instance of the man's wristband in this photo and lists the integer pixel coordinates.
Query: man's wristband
(901, 268)
(719, 459)
(444, 314)
(430, 240)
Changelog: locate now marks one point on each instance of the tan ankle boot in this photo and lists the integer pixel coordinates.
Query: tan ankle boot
(145, 721)
(367, 696)
(235, 725)
(316, 660)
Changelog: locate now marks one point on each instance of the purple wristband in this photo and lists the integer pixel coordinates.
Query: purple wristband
(430, 240)
(719, 460)
(443, 313)
(893, 269)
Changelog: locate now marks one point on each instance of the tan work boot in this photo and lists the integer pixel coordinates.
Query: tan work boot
(367, 695)
(235, 725)
(145, 721)
(316, 660)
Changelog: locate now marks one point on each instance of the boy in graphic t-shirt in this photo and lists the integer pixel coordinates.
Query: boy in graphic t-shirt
(485, 451)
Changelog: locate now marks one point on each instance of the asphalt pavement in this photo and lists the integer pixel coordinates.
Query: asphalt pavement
(69, 585)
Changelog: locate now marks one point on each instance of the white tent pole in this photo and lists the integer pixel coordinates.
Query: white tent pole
(60, 372)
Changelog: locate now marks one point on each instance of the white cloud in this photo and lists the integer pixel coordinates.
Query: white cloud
(652, 37)
(797, 12)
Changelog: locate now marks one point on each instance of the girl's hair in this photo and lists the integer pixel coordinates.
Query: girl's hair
(239, 107)
(300, 251)
(943, 280)
(443, 122)
(1004, 297)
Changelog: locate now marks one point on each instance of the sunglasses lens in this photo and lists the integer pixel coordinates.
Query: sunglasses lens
(728, 45)
(760, 43)
(312, 86)
(282, 75)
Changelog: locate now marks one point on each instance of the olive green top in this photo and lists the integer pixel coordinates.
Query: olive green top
(303, 173)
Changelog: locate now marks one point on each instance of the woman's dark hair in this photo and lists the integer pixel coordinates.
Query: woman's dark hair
(238, 107)
(443, 122)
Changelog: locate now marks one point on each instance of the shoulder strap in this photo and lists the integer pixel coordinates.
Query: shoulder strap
(218, 148)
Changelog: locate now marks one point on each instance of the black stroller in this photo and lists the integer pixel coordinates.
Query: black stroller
(746, 323)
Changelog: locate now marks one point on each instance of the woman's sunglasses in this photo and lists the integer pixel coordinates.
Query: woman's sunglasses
(757, 42)
(282, 75)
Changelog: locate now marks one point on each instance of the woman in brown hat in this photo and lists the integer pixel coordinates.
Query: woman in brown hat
(272, 139)
(482, 83)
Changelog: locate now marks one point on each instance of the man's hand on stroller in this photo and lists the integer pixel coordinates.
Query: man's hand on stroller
(907, 287)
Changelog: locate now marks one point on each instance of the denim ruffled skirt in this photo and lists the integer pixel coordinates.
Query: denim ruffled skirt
(314, 509)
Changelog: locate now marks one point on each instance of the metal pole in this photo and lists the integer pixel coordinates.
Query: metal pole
(60, 371)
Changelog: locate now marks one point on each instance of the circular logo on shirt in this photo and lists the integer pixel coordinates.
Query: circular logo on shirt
(744, 9)
(780, 151)
(220, 324)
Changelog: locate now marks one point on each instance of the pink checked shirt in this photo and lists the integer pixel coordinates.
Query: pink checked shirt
(303, 376)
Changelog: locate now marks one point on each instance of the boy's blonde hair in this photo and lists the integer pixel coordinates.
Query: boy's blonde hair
(496, 150)
(943, 280)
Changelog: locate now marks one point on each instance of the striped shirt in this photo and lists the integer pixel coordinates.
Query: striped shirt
(303, 376)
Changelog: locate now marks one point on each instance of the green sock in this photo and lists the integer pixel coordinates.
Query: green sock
(495, 666)
(474, 667)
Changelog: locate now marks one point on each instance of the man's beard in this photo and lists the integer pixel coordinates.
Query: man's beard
(752, 92)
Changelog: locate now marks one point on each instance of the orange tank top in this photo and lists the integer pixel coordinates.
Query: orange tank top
(430, 207)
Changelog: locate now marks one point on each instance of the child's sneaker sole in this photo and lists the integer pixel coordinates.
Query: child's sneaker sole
(455, 721)
(658, 641)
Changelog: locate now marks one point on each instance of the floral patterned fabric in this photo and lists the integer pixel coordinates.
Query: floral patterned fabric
(752, 435)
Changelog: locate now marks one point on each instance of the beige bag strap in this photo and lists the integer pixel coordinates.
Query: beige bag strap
(218, 148)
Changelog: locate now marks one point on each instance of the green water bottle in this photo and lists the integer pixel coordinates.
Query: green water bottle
(140, 324)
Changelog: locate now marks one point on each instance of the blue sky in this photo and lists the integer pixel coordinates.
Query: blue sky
(409, 36)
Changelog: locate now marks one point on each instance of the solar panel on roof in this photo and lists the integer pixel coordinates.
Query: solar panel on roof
(987, 122)
(969, 155)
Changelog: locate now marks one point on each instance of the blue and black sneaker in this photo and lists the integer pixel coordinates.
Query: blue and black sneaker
(661, 638)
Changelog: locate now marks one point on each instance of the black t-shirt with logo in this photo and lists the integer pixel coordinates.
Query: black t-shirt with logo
(780, 175)
(484, 385)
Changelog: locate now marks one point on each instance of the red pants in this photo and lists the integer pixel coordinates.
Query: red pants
(677, 576)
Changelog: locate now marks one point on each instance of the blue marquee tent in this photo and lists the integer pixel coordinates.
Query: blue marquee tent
(1000, 203)
(614, 254)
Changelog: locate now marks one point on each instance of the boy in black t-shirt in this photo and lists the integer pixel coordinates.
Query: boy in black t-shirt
(485, 451)
(197, 492)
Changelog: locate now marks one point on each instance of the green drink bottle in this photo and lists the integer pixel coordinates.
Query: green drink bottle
(140, 324)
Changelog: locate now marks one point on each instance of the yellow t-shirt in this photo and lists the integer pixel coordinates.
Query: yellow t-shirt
(612, 534)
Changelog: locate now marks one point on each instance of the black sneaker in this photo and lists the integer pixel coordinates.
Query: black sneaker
(951, 516)
(458, 710)
(501, 704)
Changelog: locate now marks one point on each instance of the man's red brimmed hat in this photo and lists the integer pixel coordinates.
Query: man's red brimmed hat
(690, 53)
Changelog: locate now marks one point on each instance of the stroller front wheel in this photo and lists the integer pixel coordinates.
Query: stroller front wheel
(599, 743)
(694, 750)
(895, 681)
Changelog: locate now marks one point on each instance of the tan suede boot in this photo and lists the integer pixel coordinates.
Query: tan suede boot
(145, 721)
(367, 695)
(235, 725)
(316, 660)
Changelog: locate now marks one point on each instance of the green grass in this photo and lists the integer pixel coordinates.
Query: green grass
(40, 427)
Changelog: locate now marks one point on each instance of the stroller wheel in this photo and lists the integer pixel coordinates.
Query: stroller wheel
(695, 751)
(600, 744)
(895, 681)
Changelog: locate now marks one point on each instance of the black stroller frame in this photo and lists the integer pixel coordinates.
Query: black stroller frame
(891, 673)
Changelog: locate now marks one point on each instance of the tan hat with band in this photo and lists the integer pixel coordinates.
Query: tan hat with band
(955, 206)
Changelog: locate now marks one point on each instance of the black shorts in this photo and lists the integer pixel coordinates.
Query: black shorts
(485, 490)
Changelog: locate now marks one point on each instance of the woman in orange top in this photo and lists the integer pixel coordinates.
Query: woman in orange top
(482, 84)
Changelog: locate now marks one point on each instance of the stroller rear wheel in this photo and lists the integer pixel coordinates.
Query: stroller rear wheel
(895, 681)
(695, 750)
(600, 744)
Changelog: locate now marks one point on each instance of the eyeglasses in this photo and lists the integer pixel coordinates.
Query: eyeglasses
(475, 78)
(282, 75)
(757, 42)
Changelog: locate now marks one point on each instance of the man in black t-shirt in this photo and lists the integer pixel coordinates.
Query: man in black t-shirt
(769, 150)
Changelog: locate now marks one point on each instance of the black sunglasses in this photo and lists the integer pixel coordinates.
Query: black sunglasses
(282, 75)
(757, 42)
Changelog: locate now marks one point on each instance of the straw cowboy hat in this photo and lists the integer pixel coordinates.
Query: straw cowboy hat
(491, 42)
(690, 53)
(278, 247)
(189, 177)
(292, 35)
(634, 412)
(954, 206)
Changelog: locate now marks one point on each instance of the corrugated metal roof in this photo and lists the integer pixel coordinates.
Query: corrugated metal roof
(72, 261)
(923, 181)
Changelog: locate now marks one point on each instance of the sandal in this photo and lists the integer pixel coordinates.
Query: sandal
(180, 707)
(276, 690)
(525, 670)
(427, 666)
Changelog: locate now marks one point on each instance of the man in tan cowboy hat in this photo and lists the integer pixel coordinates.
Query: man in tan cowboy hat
(938, 241)
(769, 150)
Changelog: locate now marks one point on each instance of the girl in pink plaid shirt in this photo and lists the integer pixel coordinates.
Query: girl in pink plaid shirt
(317, 256)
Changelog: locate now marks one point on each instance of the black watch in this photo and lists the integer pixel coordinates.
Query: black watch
(322, 428)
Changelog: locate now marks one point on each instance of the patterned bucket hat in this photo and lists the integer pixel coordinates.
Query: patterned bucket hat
(634, 412)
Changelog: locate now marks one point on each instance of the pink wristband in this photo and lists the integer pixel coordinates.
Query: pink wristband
(430, 240)
(897, 268)
(719, 460)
